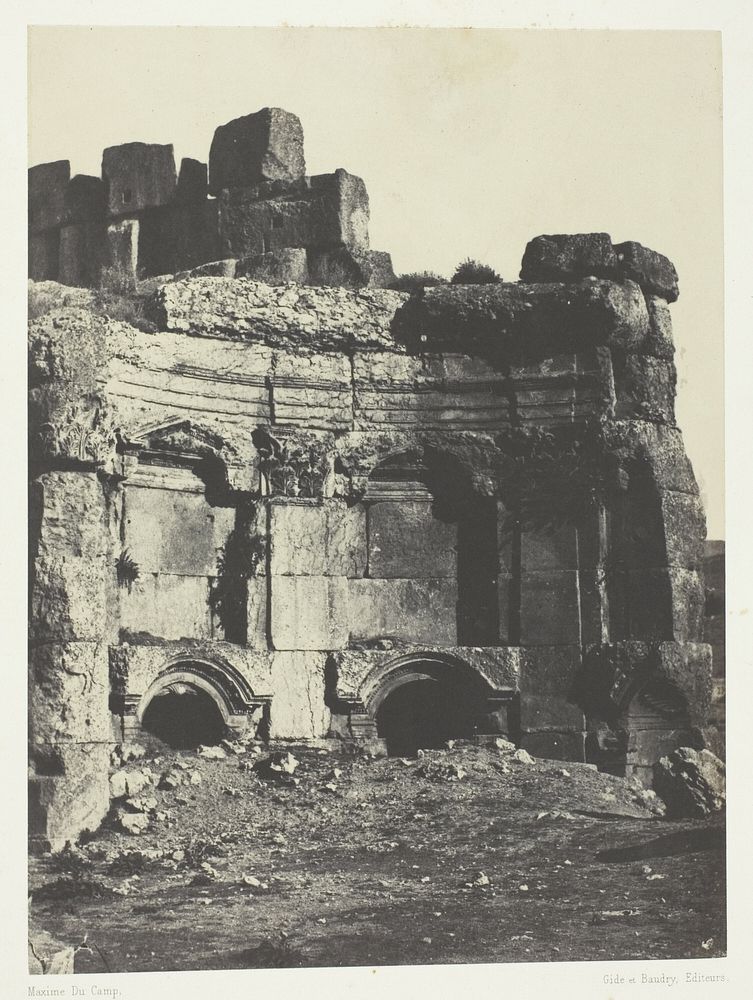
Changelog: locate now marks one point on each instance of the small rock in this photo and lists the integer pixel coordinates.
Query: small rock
(691, 782)
(279, 839)
(231, 748)
(170, 780)
(481, 879)
(195, 778)
(523, 888)
(131, 751)
(504, 746)
(178, 855)
(522, 756)
(646, 870)
(133, 823)
(142, 803)
(234, 793)
(128, 783)
(563, 773)
(251, 880)
(212, 753)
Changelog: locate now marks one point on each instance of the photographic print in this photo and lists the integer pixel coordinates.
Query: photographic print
(376, 513)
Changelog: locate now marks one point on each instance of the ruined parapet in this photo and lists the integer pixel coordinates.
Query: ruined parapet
(144, 219)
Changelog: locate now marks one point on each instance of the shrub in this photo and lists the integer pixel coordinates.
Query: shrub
(416, 280)
(471, 272)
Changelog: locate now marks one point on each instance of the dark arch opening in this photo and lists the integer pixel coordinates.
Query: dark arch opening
(425, 713)
(184, 717)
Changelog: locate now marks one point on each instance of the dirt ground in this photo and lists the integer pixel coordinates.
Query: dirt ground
(459, 856)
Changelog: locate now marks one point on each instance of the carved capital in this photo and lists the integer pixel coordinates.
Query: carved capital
(82, 433)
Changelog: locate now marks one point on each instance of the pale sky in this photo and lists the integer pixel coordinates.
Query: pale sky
(471, 142)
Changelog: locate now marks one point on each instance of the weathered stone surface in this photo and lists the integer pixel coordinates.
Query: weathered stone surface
(544, 550)
(71, 795)
(298, 709)
(651, 270)
(168, 606)
(549, 608)
(265, 146)
(691, 783)
(167, 531)
(414, 610)
(125, 783)
(47, 956)
(281, 267)
(570, 256)
(68, 687)
(257, 607)
(123, 247)
(309, 612)
(684, 524)
(44, 249)
(329, 210)
(687, 666)
(138, 175)
(323, 318)
(662, 449)
(317, 540)
(85, 201)
(566, 257)
(645, 388)
(548, 677)
(659, 342)
(666, 604)
(508, 323)
(192, 181)
(81, 253)
(214, 269)
(407, 540)
(47, 187)
(350, 267)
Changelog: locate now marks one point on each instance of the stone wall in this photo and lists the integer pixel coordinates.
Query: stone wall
(304, 498)
(144, 218)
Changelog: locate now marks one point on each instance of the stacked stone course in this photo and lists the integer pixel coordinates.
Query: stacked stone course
(255, 207)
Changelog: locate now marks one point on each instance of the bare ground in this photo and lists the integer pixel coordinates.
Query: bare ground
(464, 855)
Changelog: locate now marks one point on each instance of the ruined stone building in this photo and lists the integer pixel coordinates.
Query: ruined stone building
(307, 506)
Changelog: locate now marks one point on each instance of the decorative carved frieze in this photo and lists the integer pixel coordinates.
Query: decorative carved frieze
(83, 433)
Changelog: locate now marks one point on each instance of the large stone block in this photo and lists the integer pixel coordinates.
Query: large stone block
(44, 249)
(548, 677)
(645, 388)
(413, 610)
(308, 612)
(177, 237)
(320, 319)
(192, 181)
(666, 604)
(571, 256)
(81, 255)
(69, 598)
(123, 248)
(549, 608)
(298, 710)
(684, 523)
(138, 175)
(330, 210)
(69, 792)
(68, 688)
(350, 267)
(265, 146)
(317, 540)
(47, 187)
(171, 532)
(654, 272)
(85, 201)
(520, 324)
(544, 550)
(168, 607)
(257, 612)
(408, 541)
(282, 267)
(659, 342)
(564, 257)
(67, 516)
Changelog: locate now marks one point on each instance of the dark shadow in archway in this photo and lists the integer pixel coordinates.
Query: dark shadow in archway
(424, 714)
(184, 717)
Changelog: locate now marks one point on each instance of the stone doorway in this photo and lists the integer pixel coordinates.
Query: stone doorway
(184, 717)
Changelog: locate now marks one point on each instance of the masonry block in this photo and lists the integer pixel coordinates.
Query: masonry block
(298, 710)
(81, 254)
(666, 604)
(350, 267)
(138, 175)
(549, 608)
(69, 792)
(166, 606)
(47, 187)
(317, 540)
(407, 540)
(285, 266)
(548, 676)
(309, 613)
(549, 550)
(329, 210)
(684, 529)
(265, 146)
(67, 700)
(414, 610)
(123, 247)
(192, 182)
